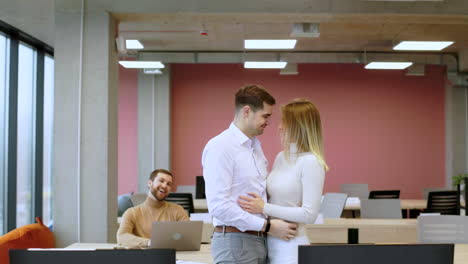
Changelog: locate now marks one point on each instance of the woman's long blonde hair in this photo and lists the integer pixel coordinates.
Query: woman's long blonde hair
(301, 125)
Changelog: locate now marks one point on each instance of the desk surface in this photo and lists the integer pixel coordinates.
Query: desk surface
(360, 222)
(405, 204)
(336, 230)
(204, 255)
(200, 206)
(370, 230)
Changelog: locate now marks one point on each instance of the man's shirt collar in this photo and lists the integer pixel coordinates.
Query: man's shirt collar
(242, 138)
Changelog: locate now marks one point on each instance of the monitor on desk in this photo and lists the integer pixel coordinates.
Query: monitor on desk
(200, 188)
(382, 254)
(114, 256)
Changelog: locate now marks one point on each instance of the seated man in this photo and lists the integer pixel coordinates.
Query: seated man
(135, 228)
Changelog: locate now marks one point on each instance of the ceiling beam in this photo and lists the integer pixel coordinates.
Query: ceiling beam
(300, 57)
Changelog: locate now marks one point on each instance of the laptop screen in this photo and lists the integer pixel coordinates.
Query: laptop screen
(116, 256)
(381, 254)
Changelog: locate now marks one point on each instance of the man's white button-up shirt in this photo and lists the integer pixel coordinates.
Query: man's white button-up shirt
(234, 165)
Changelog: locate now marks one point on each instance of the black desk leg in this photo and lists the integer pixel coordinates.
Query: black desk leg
(353, 236)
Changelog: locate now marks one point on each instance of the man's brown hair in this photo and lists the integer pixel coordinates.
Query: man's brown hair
(155, 173)
(253, 95)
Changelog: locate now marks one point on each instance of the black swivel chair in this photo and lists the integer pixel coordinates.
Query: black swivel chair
(183, 199)
(444, 202)
(200, 188)
(385, 194)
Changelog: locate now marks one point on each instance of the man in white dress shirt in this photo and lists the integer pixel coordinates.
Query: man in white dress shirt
(233, 165)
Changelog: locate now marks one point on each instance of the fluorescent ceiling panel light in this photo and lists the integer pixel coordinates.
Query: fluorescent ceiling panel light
(264, 64)
(270, 43)
(388, 65)
(423, 45)
(133, 44)
(142, 64)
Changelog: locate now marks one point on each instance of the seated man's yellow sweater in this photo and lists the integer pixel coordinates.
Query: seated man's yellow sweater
(135, 227)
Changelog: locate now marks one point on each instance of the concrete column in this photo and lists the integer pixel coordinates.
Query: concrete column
(154, 124)
(456, 130)
(146, 129)
(162, 146)
(460, 129)
(85, 125)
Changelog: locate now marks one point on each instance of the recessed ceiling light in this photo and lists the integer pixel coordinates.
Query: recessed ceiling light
(388, 65)
(142, 64)
(133, 44)
(423, 45)
(265, 64)
(270, 43)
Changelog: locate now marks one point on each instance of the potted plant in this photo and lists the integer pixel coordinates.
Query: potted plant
(460, 179)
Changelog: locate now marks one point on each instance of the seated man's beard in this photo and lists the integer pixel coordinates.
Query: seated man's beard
(155, 195)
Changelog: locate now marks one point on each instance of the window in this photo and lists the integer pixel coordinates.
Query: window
(25, 134)
(3, 125)
(26, 120)
(48, 127)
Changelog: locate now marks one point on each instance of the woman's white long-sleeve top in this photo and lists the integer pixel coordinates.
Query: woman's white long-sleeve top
(295, 187)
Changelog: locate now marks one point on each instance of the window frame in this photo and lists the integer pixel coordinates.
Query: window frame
(15, 37)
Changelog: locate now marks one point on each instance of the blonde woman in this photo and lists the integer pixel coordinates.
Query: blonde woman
(295, 184)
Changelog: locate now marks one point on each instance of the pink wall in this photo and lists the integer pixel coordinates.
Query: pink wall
(127, 134)
(380, 127)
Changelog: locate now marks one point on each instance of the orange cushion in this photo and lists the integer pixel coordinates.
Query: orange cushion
(28, 236)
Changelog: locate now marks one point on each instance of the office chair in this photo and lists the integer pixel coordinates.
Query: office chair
(444, 202)
(426, 191)
(333, 205)
(385, 194)
(124, 202)
(183, 199)
(442, 229)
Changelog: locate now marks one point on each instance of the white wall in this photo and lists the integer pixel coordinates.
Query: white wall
(35, 17)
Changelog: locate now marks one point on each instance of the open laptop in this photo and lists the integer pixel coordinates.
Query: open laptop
(180, 235)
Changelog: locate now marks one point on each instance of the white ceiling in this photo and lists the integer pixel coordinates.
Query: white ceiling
(345, 25)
